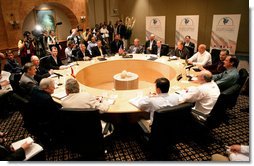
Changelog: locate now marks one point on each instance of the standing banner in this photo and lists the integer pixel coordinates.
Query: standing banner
(156, 25)
(225, 32)
(187, 25)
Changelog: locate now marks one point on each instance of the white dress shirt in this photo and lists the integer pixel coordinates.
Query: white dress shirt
(204, 96)
(242, 156)
(151, 104)
(201, 59)
(84, 100)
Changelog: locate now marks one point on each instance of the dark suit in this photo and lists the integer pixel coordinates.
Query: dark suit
(190, 47)
(96, 51)
(183, 54)
(40, 74)
(6, 155)
(216, 68)
(148, 45)
(163, 50)
(51, 63)
(121, 29)
(79, 55)
(115, 46)
(12, 66)
(42, 112)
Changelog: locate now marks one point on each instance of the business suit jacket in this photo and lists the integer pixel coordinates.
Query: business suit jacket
(135, 50)
(96, 52)
(121, 29)
(42, 111)
(12, 66)
(148, 45)
(190, 45)
(6, 155)
(27, 82)
(51, 63)
(163, 50)
(115, 46)
(183, 54)
(79, 55)
(41, 73)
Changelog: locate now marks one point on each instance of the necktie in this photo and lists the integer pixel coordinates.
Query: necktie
(101, 51)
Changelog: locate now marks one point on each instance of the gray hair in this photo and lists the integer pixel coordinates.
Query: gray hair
(72, 86)
(46, 83)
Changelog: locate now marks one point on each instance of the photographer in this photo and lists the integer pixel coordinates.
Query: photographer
(41, 45)
(26, 48)
(75, 36)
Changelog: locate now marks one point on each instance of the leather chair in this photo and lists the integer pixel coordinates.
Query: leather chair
(169, 124)
(215, 53)
(82, 131)
(165, 47)
(43, 62)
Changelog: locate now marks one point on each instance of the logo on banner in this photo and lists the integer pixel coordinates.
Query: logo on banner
(186, 25)
(225, 24)
(155, 24)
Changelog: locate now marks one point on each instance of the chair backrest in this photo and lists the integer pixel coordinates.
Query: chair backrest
(166, 46)
(215, 53)
(191, 50)
(218, 112)
(82, 130)
(44, 61)
(243, 76)
(169, 124)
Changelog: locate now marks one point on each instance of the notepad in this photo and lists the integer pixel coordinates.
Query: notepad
(59, 95)
(33, 149)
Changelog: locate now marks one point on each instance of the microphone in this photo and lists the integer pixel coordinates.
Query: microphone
(59, 75)
(59, 23)
(189, 66)
(179, 77)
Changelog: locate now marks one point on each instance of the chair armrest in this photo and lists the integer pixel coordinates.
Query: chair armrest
(145, 125)
(106, 129)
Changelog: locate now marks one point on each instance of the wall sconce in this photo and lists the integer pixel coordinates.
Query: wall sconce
(82, 18)
(14, 22)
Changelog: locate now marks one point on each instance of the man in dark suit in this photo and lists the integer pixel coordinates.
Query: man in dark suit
(53, 61)
(40, 72)
(121, 29)
(149, 44)
(159, 50)
(83, 53)
(12, 65)
(116, 44)
(43, 109)
(181, 51)
(98, 50)
(189, 45)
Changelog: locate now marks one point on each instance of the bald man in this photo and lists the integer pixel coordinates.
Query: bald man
(149, 44)
(40, 72)
(202, 57)
(205, 95)
(136, 48)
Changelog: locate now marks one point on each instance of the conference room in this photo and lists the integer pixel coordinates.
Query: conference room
(94, 80)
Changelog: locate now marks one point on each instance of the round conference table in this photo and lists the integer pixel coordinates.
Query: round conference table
(96, 78)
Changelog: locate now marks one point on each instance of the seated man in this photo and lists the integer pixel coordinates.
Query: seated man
(40, 72)
(135, 48)
(202, 57)
(43, 109)
(99, 50)
(230, 76)
(91, 44)
(116, 44)
(12, 65)
(27, 81)
(217, 67)
(75, 99)
(160, 99)
(69, 52)
(181, 51)
(53, 61)
(205, 95)
(158, 49)
(83, 53)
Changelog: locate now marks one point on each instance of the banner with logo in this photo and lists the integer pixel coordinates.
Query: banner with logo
(187, 25)
(156, 25)
(225, 32)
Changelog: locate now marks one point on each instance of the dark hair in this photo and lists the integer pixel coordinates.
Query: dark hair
(9, 52)
(26, 33)
(188, 36)
(163, 84)
(235, 60)
(225, 50)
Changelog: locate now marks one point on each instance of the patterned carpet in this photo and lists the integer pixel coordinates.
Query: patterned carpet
(126, 144)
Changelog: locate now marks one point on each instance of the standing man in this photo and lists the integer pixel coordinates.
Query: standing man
(149, 44)
(189, 45)
(26, 48)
